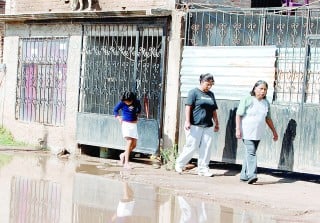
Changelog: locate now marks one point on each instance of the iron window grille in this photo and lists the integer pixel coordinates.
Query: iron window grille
(41, 80)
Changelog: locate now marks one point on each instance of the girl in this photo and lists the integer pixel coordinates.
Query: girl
(130, 107)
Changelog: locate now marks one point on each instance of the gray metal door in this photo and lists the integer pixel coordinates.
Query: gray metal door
(118, 57)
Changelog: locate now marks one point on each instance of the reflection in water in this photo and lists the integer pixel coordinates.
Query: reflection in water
(196, 210)
(246, 218)
(125, 205)
(34, 201)
(42, 162)
(227, 214)
(47, 190)
(98, 199)
(93, 169)
(191, 213)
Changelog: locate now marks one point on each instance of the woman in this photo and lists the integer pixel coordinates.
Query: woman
(201, 112)
(252, 114)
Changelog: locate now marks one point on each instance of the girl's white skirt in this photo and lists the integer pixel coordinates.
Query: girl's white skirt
(129, 129)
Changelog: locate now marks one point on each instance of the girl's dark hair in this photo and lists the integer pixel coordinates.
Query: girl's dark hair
(256, 85)
(128, 96)
(206, 77)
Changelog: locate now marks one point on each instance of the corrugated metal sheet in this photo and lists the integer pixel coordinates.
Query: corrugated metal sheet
(105, 131)
(235, 69)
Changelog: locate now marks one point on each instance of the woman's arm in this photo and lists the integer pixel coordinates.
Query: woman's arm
(238, 126)
(216, 121)
(271, 126)
(187, 123)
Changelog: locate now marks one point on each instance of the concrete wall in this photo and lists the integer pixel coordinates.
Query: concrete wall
(56, 137)
(41, 6)
(171, 105)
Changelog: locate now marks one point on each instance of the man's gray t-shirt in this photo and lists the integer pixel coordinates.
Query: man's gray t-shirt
(203, 104)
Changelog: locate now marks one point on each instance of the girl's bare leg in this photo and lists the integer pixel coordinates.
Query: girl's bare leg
(131, 144)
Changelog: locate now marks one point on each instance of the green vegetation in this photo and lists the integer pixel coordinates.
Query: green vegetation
(6, 138)
(169, 156)
(4, 159)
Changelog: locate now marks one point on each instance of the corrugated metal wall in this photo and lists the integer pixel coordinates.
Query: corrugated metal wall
(235, 69)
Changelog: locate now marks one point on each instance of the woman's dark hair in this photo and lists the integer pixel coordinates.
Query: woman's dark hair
(128, 96)
(206, 77)
(252, 93)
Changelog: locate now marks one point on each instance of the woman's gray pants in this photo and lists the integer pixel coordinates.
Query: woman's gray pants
(249, 166)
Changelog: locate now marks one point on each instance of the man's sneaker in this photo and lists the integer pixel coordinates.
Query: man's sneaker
(178, 169)
(205, 173)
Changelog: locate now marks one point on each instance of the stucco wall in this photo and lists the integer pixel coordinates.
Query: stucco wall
(56, 138)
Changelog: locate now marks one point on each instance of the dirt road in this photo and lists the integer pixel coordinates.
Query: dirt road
(290, 197)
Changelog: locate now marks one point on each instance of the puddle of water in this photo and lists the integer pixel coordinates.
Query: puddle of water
(43, 188)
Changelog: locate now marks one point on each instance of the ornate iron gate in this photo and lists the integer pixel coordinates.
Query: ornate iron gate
(118, 57)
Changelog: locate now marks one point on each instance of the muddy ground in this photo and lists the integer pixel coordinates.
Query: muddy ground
(289, 197)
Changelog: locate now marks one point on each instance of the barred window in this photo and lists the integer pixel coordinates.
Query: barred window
(41, 80)
(298, 74)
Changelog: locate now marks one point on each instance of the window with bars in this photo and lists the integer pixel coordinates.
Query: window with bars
(41, 80)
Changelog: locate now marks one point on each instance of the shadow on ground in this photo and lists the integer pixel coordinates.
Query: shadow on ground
(286, 176)
(231, 169)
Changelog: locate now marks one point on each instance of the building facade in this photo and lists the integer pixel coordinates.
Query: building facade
(67, 63)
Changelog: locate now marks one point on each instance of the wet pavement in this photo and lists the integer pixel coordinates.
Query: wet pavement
(40, 187)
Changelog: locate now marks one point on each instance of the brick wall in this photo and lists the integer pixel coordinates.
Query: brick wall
(44, 6)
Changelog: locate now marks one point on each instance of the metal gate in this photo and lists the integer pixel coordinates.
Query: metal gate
(118, 57)
(311, 91)
(295, 78)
